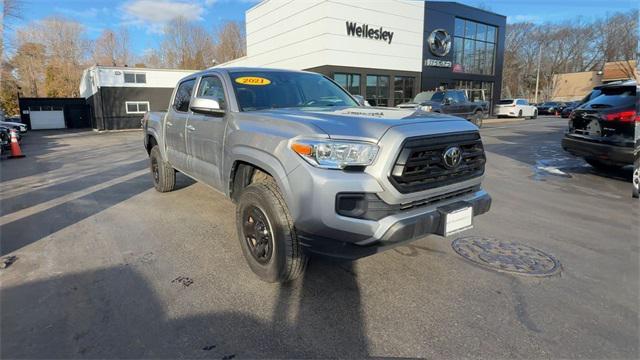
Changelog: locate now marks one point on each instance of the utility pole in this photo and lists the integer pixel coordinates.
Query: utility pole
(538, 74)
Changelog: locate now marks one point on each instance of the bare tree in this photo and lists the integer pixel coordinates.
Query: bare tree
(186, 46)
(11, 10)
(572, 46)
(52, 63)
(29, 64)
(112, 48)
(231, 42)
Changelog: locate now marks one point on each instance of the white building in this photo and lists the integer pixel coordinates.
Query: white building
(381, 49)
(119, 96)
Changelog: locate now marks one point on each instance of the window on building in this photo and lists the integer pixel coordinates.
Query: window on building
(135, 78)
(350, 82)
(477, 91)
(402, 89)
(474, 47)
(137, 107)
(378, 90)
(183, 95)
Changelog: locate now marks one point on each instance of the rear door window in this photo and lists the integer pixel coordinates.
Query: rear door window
(459, 97)
(505, 102)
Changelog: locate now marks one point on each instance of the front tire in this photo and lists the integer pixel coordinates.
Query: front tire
(164, 176)
(267, 236)
(520, 113)
(535, 114)
(477, 118)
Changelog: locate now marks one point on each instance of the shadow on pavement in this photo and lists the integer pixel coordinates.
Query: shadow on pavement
(115, 313)
(29, 229)
(44, 194)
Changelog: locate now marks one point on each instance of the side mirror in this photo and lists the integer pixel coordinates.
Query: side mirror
(206, 106)
(360, 100)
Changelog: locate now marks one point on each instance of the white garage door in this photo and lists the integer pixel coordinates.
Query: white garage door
(46, 120)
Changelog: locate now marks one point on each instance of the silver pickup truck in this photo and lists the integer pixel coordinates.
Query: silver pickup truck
(313, 171)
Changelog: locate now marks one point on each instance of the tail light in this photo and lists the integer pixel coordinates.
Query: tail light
(622, 116)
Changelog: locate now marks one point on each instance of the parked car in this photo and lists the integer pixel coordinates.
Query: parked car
(515, 108)
(568, 108)
(22, 128)
(312, 171)
(452, 102)
(604, 130)
(550, 108)
(4, 140)
(8, 129)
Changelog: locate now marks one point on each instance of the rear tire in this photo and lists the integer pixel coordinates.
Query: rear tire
(601, 166)
(164, 176)
(267, 236)
(636, 179)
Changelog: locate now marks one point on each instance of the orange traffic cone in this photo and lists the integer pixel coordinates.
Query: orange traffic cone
(15, 147)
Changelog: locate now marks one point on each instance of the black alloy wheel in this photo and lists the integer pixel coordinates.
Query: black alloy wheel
(258, 234)
(155, 170)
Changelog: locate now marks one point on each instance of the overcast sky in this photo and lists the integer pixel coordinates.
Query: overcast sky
(146, 18)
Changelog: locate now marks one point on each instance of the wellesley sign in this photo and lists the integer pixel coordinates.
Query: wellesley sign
(364, 31)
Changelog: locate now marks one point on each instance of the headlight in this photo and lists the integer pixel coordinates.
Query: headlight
(425, 108)
(330, 154)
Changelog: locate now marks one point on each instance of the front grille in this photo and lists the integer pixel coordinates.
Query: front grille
(420, 163)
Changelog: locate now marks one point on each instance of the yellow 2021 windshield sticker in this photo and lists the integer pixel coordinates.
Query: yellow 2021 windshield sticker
(253, 80)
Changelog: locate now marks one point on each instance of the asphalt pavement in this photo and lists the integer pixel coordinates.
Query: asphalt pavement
(106, 267)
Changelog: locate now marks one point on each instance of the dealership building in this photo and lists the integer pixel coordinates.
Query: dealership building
(386, 51)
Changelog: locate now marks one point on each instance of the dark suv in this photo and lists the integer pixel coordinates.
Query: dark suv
(604, 131)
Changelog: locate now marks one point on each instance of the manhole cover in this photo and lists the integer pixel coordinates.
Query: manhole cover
(506, 256)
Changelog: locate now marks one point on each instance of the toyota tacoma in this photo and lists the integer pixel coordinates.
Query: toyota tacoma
(313, 171)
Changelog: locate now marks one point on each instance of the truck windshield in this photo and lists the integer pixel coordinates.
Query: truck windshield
(438, 97)
(423, 96)
(258, 90)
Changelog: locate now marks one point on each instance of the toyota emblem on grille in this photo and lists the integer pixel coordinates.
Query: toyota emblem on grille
(452, 157)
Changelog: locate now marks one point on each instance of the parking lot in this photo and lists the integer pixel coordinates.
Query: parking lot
(108, 267)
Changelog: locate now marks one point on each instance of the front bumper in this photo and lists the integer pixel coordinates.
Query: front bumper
(397, 229)
(620, 155)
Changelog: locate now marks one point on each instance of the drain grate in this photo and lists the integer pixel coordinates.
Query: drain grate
(506, 256)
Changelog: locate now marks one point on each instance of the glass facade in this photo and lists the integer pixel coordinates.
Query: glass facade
(377, 90)
(474, 47)
(477, 90)
(402, 89)
(350, 82)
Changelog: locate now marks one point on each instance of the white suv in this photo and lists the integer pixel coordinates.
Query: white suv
(515, 108)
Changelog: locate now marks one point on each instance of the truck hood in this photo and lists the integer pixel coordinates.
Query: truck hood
(369, 123)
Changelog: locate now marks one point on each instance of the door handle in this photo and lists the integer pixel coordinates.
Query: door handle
(190, 128)
(169, 123)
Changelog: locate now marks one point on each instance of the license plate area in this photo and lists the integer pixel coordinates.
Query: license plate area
(457, 220)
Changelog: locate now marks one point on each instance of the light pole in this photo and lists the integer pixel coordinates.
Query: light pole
(538, 74)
